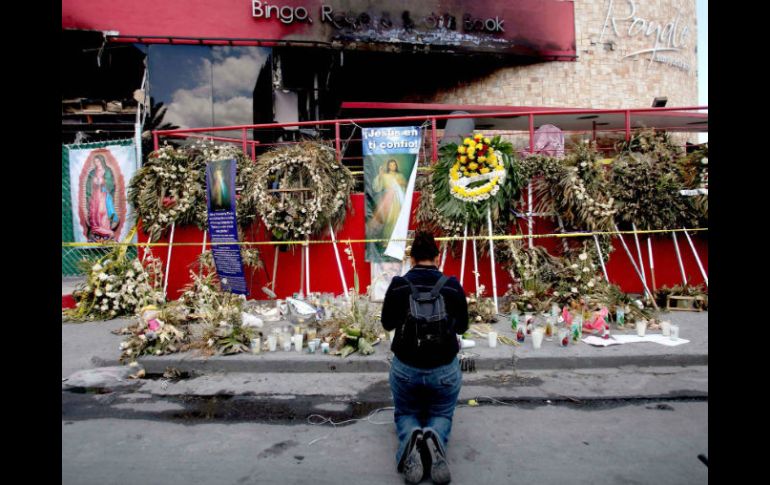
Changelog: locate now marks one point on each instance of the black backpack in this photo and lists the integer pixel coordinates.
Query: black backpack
(428, 316)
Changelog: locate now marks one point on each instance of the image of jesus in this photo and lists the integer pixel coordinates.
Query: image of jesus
(390, 190)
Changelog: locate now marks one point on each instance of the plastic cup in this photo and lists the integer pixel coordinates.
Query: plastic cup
(256, 345)
(563, 337)
(665, 327)
(272, 341)
(674, 332)
(550, 327)
(641, 327)
(492, 339)
(298, 342)
(537, 337)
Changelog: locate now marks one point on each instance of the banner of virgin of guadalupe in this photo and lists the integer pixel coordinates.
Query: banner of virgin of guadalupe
(99, 174)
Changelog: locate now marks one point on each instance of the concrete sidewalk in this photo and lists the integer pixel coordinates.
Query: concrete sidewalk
(89, 345)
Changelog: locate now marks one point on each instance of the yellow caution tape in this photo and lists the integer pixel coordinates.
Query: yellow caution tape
(503, 237)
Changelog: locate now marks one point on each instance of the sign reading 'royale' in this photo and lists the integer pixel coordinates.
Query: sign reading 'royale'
(669, 37)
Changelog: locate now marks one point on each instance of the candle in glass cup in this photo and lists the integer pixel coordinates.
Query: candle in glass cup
(287, 345)
(256, 345)
(272, 341)
(620, 316)
(515, 320)
(554, 310)
(520, 334)
(312, 332)
(577, 328)
(674, 332)
(549, 327)
(492, 339)
(665, 327)
(641, 327)
(563, 337)
(537, 337)
(529, 322)
(325, 347)
(298, 342)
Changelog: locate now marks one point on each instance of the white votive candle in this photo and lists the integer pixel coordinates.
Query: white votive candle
(492, 339)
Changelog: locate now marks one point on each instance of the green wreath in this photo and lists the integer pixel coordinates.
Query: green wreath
(467, 198)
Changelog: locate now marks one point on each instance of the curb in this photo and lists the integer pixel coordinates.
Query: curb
(247, 363)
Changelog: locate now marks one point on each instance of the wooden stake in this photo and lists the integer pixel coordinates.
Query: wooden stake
(601, 257)
(652, 263)
(679, 258)
(492, 259)
(697, 259)
(475, 266)
(633, 263)
(307, 268)
(462, 260)
(639, 253)
(168, 260)
(339, 261)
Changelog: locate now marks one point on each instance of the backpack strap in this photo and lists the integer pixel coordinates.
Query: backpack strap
(439, 284)
(414, 291)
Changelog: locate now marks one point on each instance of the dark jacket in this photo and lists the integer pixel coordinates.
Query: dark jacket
(396, 307)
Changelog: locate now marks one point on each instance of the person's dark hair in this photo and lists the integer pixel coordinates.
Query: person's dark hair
(424, 246)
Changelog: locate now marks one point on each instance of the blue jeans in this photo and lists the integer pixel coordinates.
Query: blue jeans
(424, 399)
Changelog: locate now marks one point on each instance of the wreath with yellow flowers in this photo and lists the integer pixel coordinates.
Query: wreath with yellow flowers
(478, 175)
(478, 170)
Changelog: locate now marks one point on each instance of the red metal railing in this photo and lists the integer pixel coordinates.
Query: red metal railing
(432, 121)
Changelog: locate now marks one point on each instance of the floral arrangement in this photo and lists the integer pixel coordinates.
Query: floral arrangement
(313, 189)
(170, 188)
(250, 258)
(151, 335)
(573, 187)
(532, 271)
(481, 309)
(116, 285)
(477, 170)
(355, 328)
(694, 170)
(228, 338)
(468, 180)
(646, 184)
(428, 218)
(206, 301)
(574, 280)
(165, 190)
(579, 277)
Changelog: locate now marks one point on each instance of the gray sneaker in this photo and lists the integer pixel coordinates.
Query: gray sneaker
(439, 467)
(413, 468)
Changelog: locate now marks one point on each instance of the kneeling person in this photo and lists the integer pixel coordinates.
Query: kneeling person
(427, 310)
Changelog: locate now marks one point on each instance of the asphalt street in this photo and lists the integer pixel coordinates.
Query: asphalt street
(606, 442)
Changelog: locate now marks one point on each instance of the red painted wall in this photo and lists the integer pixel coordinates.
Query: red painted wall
(324, 275)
